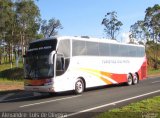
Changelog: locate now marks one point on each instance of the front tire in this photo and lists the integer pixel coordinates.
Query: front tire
(79, 86)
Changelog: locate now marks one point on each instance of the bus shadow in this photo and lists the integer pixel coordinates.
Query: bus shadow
(21, 95)
(105, 87)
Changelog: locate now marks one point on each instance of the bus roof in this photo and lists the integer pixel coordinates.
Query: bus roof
(86, 38)
(99, 40)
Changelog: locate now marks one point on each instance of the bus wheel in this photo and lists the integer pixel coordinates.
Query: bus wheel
(79, 86)
(129, 79)
(135, 79)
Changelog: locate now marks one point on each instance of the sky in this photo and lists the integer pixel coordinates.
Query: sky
(84, 17)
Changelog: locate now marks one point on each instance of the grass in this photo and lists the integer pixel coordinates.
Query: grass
(151, 71)
(149, 108)
(6, 66)
(11, 78)
(11, 72)
(9, 81)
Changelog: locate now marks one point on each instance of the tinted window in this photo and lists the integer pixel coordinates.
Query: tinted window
(123, 50)
(60, 65)
(42, 47)
(140, 51)
(79, 48)
(132, 51)
(104, 49)
(43, 44)
(114, 50)
(92, 48)
(64, 48)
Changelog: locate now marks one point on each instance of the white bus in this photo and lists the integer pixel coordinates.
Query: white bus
(75, 63)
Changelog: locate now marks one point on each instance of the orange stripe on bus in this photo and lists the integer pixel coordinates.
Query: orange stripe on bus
(99, 74)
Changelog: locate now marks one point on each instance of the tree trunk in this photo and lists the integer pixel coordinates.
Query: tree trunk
(1, 53)
(22, 45)
(0, 59)
(9, 52)
(18, 51)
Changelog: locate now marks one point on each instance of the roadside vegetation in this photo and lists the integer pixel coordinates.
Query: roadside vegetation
(152, 71)
(8, 85)
(11, 71)
(149, 108)
(11, 77)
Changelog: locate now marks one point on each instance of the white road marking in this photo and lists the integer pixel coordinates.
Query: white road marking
(112, 103)
(155, 82)
(38, 103)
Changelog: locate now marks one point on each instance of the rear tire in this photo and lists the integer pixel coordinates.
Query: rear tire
(135, 79)
(79, 86)
(129, 79)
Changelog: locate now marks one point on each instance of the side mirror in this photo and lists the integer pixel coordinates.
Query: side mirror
(51, 57)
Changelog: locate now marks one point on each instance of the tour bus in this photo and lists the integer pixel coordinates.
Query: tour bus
(76, 63)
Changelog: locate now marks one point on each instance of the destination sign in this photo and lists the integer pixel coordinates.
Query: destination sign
(40, 48)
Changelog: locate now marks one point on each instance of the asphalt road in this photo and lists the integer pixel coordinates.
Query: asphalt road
(90, 103)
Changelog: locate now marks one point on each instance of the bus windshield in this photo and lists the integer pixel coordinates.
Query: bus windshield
(38, 66)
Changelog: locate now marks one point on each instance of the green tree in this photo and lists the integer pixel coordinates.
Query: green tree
(152, 23)
(28, 16)
(39, 36)
(50, 28)
(19, 23)
(136, 30)
(6, 16)
(112, 25)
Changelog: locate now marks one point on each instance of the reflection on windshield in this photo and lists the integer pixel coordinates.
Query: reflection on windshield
(38, 67)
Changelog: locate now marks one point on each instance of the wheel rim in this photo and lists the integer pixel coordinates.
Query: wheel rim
(79, 86)
(135, 79)
(129, 80)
